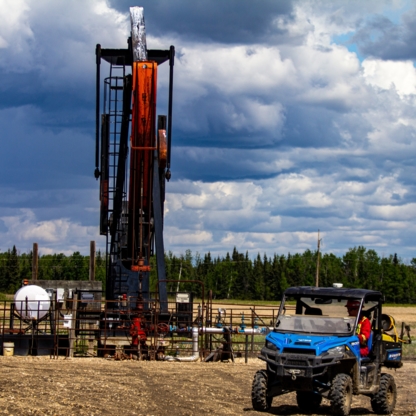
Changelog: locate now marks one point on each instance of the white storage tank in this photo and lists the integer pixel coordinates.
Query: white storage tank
(32, 302)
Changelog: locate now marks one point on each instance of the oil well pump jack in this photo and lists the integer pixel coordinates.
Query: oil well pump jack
(132, 161)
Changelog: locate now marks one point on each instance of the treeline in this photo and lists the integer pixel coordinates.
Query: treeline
(15, 267)
(237, 275)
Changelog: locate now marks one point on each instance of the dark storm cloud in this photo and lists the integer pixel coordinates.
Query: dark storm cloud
(223, 167)
(309, 126)
(380, 37)
(43, 157)
(62, 106)
(305, 126)
(231, 21)
(310, 139)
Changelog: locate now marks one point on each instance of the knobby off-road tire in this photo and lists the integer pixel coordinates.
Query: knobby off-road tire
(308, 401)
(340, 395)
(259, 397)
(384, 402)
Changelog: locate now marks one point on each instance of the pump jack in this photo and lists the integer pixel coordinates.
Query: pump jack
(133, 173)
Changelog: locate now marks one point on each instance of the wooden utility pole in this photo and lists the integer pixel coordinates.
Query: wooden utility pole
(92, 260)
(317, 262)
(35, 261)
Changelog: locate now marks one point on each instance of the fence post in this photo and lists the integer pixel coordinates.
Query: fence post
(91, 326)
(73, 325)
(92, 260)
(252, 325)
(35, 262)
(56, 328)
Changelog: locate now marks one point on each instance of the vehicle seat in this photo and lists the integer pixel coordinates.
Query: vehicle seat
(367, 359)
(313, 311)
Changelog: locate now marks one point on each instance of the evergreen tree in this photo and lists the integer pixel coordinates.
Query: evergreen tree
(309, 268)
(331, 270)
(77, 268)
(241, 266)
(270, 281)
(12, 271)
(257, 288)
(350, 266)
(25, 266)
(371, 270)
(3, 276)
(58, 262)
(387, 279)
(295, 270)
(247, 276)
(279, 271)
(46, 270)
(412, 281)
(100, 268)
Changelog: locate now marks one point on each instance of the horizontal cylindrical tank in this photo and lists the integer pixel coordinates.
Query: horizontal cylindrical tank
(32, 302)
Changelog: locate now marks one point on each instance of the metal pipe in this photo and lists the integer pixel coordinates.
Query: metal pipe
(237, 330)
(254, 331)
(205, 330)
(97, 112)
(138, 34)
(195, 349)
(171, 64)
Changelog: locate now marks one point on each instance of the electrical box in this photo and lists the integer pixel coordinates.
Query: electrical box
(183, 297)
(184, 310)
(60, 294)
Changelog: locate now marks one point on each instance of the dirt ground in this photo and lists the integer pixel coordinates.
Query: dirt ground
(96, 386)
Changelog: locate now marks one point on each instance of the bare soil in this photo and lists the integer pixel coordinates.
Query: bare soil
(94, 386)
(402, 314)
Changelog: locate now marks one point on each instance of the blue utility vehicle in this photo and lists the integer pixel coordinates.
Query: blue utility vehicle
(314, 350)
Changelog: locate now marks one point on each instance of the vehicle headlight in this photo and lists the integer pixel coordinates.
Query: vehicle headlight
(337, 350)
(271, 346)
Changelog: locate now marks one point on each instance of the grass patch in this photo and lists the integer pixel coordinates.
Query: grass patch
(409, 350)
(399, 305)
(276, 303)
(246, 302)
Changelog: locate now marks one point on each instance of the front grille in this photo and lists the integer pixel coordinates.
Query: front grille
(296, 362)
(303, 351)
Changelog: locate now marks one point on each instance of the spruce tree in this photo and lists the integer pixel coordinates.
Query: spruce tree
(12, 274)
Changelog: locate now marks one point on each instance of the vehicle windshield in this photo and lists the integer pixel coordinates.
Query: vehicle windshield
(313, 315)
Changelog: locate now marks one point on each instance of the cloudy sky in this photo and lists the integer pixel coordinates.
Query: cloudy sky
(289, 116)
